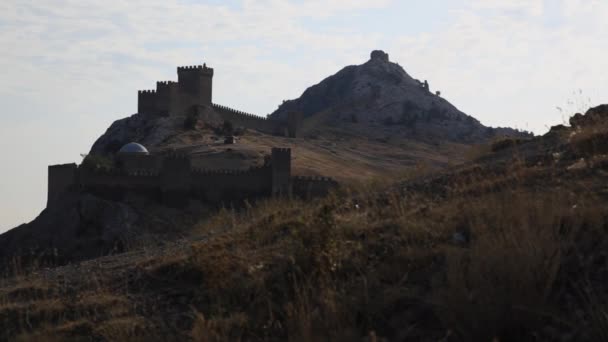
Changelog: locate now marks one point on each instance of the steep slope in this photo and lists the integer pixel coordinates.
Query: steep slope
(381, 92)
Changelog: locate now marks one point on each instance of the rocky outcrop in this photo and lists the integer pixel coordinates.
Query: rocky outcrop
(147, 130)
(380, 91)
(593, 116)
(150, 130)
(80, 226)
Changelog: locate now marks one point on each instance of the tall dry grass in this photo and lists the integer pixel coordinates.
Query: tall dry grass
(365, 263)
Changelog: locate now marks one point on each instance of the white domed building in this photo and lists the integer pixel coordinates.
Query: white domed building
(134, 158)
(133, 148)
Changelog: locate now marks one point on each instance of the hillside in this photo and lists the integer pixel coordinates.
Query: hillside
(380, 97)
(374, 116)
(400, 127)
(510, 246)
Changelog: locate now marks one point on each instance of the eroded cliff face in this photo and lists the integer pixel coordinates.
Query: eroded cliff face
(147, 130)
(74, 228)
(382, 92)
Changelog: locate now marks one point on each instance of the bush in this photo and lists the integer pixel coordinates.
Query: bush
(227, 128)
(98, 162)
(191, 121)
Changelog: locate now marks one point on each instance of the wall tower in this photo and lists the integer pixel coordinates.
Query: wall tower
(195, 85)
(281, 171)
(167, 97)
(294, 120)
(146, 101)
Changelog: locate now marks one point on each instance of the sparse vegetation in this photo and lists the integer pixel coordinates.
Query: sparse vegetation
(359, 263)
(191, 120)
(513, 249)
(98, 162)
(227, 128)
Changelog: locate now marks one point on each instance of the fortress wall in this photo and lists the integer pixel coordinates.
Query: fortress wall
(219, 185)
(310, 187)
(195, 85)
(147, 101)
(138, 163)
(119, 179)
(175, 173)
(281, 171)
(247, 120)
(210, 117)
(60, 179)
(115, 185)
(167, 97)
(294, 121)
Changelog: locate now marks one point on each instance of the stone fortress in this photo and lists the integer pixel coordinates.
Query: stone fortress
(192, 95)
(170, 177)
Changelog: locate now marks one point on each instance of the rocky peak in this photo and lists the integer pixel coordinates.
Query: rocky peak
(381, 94)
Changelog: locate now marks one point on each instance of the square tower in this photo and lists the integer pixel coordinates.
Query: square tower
(195, 84)
(281, 171)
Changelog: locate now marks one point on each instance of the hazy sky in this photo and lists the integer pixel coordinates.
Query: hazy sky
(72, 67)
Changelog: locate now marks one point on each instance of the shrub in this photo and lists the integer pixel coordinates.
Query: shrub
(190, 121)
(98, 162)
(227, 128)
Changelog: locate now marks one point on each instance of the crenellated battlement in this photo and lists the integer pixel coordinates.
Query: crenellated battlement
(117, 172)
(175, 155)
(312, 186)
(235, 172)
(103, 172)
(199, 69)
(237, 112)
(143, 173)
(194, 67)
(193, 89)
(163, 84)
(169, 176)
(314, 179)
(190, 67)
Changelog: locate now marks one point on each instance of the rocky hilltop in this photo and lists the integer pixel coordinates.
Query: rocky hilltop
(381, 93)
(377, 99)
(367, 121)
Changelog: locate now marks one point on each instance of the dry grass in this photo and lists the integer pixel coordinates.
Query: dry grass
(590, 140)
(332, 271)
(492, 258)
(500, 286)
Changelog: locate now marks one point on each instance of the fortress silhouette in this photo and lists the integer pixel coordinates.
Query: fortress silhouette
(170, 177)
(192, 95)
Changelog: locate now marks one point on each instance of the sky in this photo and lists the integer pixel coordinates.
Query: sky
(72, 67)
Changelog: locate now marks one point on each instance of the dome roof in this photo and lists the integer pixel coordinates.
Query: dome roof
(133, 148)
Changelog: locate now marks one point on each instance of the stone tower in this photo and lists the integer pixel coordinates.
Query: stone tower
(294, 119)
(281, 171)
(195, 85)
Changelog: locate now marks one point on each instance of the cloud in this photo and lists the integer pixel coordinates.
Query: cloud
(72, 67)
(507, 63)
